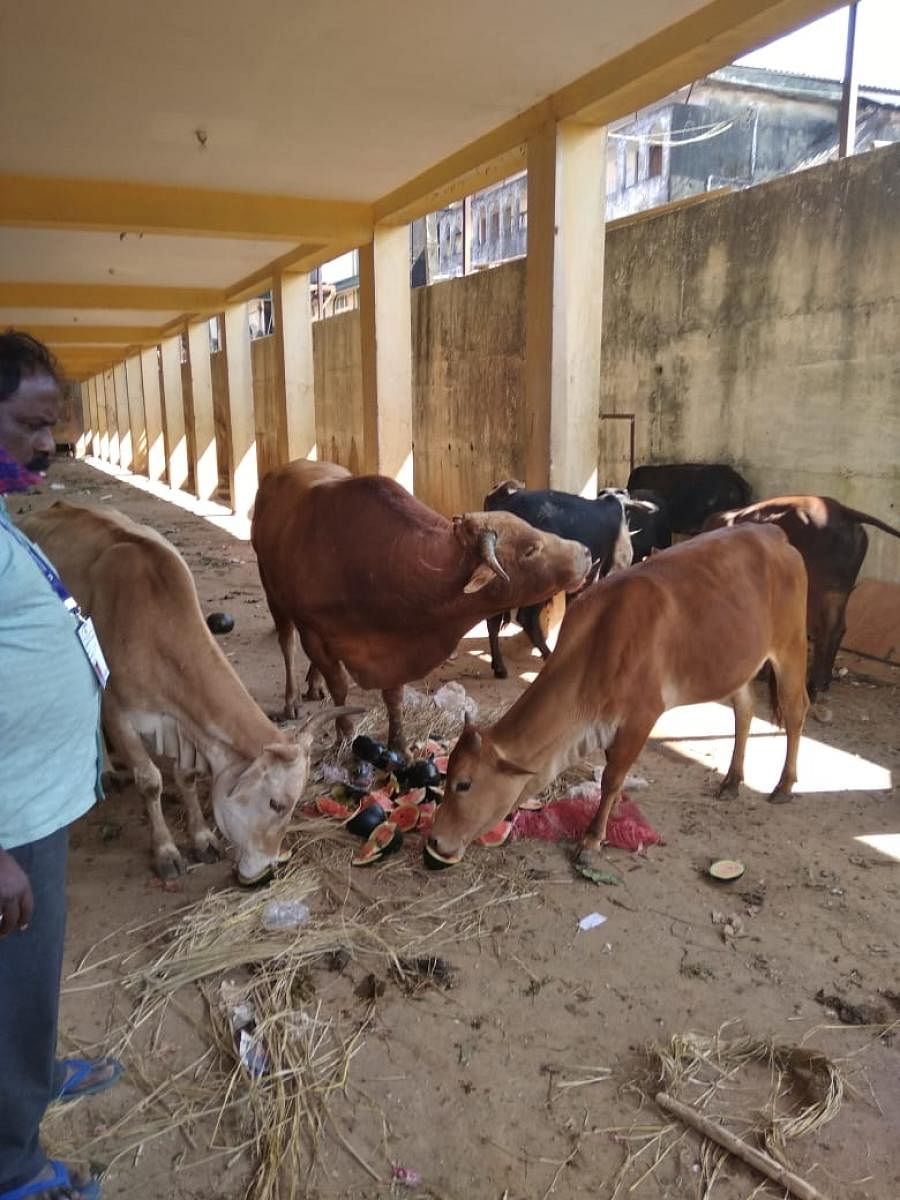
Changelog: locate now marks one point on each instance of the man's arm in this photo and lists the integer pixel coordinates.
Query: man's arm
(16, 900)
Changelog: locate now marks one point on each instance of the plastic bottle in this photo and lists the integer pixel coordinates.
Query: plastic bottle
(284, 914)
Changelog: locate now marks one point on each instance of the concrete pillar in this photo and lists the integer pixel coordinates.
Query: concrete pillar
(123, 416)
(385, 339)
(243, 475)
(102, 426)
(564, 305)
(89, 394)
(174, 406)
(294, 376)
(206, 470)
(112, 417)
(156, 446)
(134, 385)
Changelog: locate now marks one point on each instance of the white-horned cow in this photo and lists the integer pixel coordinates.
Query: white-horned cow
(172, 694)
(692, 624)
(379, 584)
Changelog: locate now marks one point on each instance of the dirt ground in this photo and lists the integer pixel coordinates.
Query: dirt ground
(481, 1088)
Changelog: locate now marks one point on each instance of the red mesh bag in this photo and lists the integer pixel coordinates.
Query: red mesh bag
(567, 820)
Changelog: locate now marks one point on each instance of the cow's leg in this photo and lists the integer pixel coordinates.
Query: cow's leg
(287, 640)
(828, 633)
(742, 703)
(498, 666)
(332, 670)
(204, 841)
(620, 757)
(793, 703)
(530, 620)
(315, 684)
(393, 699)
(129, 747)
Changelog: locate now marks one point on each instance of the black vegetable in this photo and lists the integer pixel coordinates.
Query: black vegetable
(220, 623)
(364, 820)
(368, 749)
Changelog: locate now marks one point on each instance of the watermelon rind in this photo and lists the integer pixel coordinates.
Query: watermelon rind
(384, 840)
(726, 870)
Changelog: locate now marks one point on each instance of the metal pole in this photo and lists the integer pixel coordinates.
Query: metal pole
(847, 115)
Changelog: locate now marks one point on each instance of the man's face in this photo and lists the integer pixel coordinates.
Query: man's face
(27, 418)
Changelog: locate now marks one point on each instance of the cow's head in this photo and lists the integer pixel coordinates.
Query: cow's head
(524, 565)
(483, 786)
(502, 491)
(253, 804)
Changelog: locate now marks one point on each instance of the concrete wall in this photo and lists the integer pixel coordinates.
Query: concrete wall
(271, 429)
(338, 390)
(761, 329)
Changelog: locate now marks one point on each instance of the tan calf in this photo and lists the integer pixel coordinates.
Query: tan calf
(694, 623)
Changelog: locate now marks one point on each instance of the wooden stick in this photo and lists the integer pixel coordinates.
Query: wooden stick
(734, 1145)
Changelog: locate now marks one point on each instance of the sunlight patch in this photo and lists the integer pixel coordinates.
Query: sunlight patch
(885, 843)
(704, 733)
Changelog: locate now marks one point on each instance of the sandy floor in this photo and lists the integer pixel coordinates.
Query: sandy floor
(467, 1086)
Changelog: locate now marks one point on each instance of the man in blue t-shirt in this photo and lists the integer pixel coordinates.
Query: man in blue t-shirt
(49, 745)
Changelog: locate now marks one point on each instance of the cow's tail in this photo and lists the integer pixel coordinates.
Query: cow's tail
(866, 519)
(774, 701)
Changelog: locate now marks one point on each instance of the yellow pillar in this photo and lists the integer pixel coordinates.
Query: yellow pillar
(206, 469)
(174, 406)
(385, 340)
(243, 475)
(294, 377)
(123, 417)
(102, 425)
(156, 447)
(134, 385)
(112, 417)
(89, 394)
(564, 305)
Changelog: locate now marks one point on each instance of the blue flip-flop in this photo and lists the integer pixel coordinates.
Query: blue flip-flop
(77, 1070)
(60, 1179)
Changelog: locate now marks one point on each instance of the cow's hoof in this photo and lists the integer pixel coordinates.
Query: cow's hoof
(206, 850)
(780, 796)
(169, 863)
(291, 711)
(728, 789)
(314, 693)
(589, 856)
(500, 672)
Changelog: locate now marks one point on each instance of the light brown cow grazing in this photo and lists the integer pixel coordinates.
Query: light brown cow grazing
(694, 623)
(376, 582)
(172, 693)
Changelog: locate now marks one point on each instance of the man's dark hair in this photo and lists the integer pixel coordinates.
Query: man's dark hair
(21, 354)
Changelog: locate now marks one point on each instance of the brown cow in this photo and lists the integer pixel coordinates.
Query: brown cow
(833, 543)
(172, 694)
(376, 582)
(691, 624)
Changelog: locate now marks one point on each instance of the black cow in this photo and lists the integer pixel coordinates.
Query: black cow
(692, 491)
(598, 524)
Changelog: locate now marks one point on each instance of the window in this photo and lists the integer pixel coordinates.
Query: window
(482, 228)
(495, 224)
(507, 221)
(654, 161)
(523, 210)
(612, 174)
(215, 338)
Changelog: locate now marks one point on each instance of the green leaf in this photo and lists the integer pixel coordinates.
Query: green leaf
(596, 875)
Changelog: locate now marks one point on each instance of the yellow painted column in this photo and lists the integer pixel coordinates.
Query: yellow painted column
(206, 470)
(102, 425)
(294, 377)
(135, 387)
(385, 339)
(156, 447)
(243, 475)
(123, 416)
(112, 416)
(89, 392)
(564, 305)
(174, 405)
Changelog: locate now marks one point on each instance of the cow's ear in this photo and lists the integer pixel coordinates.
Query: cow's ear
(480, 577)
(285, 751)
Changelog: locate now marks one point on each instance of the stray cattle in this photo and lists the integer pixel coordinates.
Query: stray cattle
(375, 582)
(599, 524)
(690, 625)
(649, 526)
(692, 491)
(172, 689)
(833, 543)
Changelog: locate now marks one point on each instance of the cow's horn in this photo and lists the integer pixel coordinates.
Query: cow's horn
(487, 544)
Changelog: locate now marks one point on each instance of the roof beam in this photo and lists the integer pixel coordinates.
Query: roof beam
(101, 205)
(110, 296)
(707, 39)
(70, 336)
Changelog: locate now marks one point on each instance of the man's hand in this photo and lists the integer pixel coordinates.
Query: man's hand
(16, 900)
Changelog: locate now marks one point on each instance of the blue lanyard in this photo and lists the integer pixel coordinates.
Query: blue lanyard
(46, 569)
